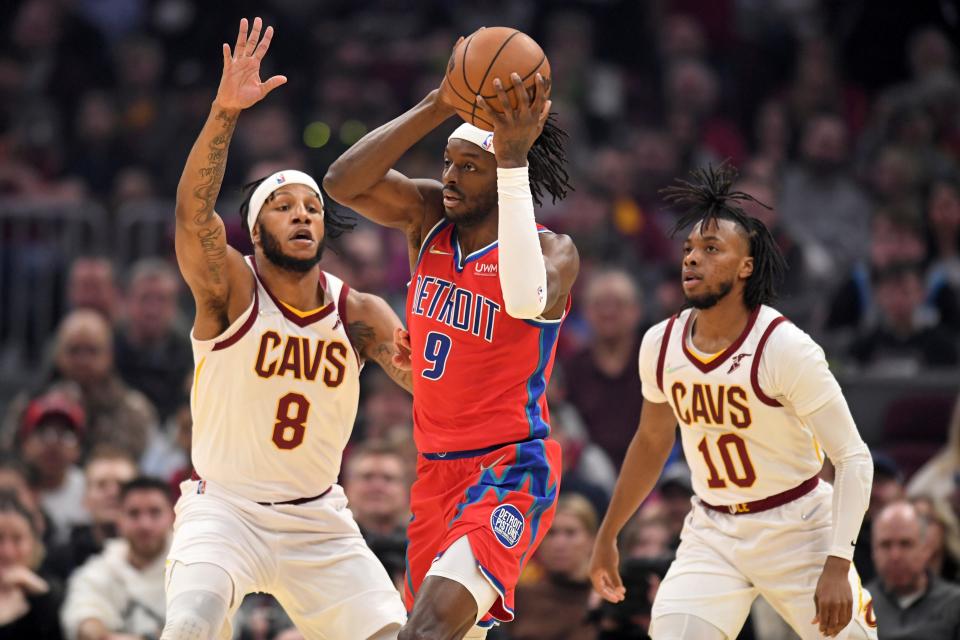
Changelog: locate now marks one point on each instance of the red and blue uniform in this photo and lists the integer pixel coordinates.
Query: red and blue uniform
(486, 468)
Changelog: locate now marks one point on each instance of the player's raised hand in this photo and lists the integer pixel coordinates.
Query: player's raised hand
(605, 570)
(833, 598)
(445, 93)
(240, 85)
(516, 129)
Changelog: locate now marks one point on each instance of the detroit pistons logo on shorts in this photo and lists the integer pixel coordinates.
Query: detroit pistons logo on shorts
(507, 525)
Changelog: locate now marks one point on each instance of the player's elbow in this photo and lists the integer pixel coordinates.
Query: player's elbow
(334, 183)
(524, 307)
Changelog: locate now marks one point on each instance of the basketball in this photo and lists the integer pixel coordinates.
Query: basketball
(486, 54)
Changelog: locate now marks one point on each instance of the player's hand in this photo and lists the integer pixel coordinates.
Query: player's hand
(515, 130)
(445, 94)
(401, 341)
(240, 85)
(605, 570)
(833, 598)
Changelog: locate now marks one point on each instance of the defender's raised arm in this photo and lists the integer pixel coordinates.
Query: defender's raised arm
(213, 270)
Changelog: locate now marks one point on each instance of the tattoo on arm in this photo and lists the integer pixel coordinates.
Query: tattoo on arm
(363, 337)
(383, 354)
(211, 174)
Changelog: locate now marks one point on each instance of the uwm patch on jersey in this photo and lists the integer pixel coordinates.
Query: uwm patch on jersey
(479, 375)
(741, 442)
(275, 397)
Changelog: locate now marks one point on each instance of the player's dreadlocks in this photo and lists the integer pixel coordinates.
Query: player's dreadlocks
(547, 160)
(335, 224)
(709, 198)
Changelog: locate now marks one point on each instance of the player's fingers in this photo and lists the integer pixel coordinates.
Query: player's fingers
(545, 112)
(254, 37)
(504, 100)
(523, 98)
(273, 83)
(261, 49)
(493, 116)
(241, 38)
(226, 55)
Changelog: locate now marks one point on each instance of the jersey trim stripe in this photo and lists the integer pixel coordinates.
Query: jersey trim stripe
(707, 367)
(537, 383)
(342, 312)
(459, 263)
(300, 321)
(755, 367)
(245, 327)
(664, 343)
(437, 228)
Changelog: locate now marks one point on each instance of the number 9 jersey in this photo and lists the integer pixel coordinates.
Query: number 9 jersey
(741, 411)
(274, 397)
(479, 375)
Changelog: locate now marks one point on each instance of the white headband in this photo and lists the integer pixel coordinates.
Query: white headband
(470, 133)
(271, 184)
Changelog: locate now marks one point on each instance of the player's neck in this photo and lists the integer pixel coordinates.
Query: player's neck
(719, 326)
(299, 290)
(473, 237)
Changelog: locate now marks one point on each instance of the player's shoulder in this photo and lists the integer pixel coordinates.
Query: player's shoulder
(654, 336)
(782, 337)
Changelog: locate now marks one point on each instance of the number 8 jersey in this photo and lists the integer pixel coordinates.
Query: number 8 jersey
(741, 411)
(479, 375)
(275, 396)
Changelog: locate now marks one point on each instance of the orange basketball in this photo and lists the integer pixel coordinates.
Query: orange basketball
(486, 54)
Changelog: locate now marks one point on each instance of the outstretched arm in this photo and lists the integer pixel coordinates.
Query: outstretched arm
(645, 458)
(220, 282)
(364, 180)
(372, 325)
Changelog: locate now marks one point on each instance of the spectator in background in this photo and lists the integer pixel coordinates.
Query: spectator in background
(385, 407)
(15, 478)
(674, 490)
(106, 471)
(939, 561)
(49, 442)
(909, 602)
(887, 488)
(821, 204)
(904, 341)
(83, 355)
(587, 469)
(28, 602)
(92, 284)
(937, 478)
(555, 607)
(377, 486)
(943, 233)
(152, 352)
(602, 379)
(122, 589)
(647, 538)
(896, 238)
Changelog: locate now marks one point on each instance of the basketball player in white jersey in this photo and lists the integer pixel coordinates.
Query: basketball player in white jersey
(757, 407)
(278, 346)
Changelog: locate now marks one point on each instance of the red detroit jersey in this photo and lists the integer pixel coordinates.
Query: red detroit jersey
(479, 375)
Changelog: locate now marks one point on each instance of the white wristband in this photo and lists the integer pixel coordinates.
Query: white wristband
(523, 274)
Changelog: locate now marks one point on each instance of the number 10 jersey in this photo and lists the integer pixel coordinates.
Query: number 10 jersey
(274, 397)
(479, 375)
(741, 411)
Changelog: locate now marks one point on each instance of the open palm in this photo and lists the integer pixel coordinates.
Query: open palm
(240, 85)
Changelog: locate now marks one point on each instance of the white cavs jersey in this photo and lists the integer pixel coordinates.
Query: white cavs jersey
(741, 412)
(275, 397)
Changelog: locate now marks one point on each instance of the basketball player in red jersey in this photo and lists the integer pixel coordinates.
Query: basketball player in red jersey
(488, 293)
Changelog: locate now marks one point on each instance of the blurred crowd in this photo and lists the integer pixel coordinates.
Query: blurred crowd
(843, 118)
